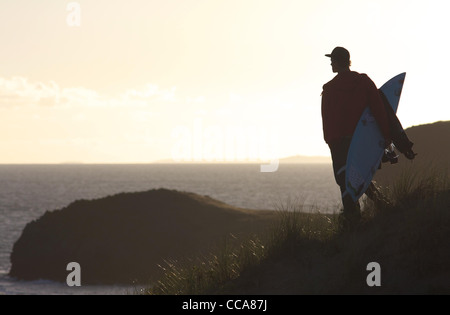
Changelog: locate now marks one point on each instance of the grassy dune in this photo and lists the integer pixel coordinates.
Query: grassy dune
(304, 253)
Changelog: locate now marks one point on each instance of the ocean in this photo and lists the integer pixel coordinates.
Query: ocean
(27, 191)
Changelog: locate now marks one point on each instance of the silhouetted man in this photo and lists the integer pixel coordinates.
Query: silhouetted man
(344, 98)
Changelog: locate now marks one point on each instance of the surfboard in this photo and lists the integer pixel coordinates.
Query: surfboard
(367, 144)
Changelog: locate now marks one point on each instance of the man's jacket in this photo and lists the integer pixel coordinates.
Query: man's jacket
(344, 98)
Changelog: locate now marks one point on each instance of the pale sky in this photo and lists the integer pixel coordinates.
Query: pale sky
(207, 80)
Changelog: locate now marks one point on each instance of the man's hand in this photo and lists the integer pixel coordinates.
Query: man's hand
(410, 155)
(387, 143)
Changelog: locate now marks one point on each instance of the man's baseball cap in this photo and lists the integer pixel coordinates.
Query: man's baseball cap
(339, 53)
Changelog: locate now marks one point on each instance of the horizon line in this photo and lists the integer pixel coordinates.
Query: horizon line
(301, 159)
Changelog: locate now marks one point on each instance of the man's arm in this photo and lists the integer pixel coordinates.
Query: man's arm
(325, 109)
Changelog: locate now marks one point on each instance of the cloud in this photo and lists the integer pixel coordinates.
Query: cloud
(19, 91)
(148, 93)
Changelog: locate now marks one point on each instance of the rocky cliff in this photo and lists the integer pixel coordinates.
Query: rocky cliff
(123, 238)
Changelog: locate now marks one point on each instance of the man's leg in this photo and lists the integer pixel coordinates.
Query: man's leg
(351, 214)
